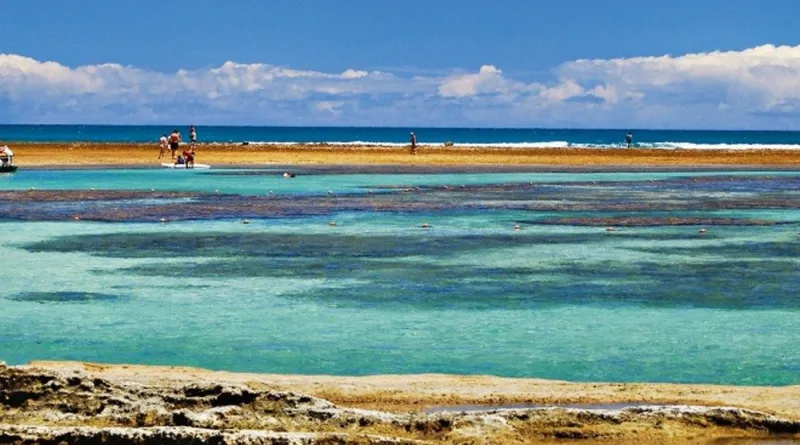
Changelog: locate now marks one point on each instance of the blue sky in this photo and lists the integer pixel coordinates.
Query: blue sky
(574, 63)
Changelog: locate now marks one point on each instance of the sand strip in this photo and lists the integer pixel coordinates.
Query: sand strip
(95, 154)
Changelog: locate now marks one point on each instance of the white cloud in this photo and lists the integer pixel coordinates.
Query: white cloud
(755, 78)
(489, 80)
(566, 90)
(753, 87)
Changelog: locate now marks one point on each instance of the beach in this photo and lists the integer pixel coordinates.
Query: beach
(135, 154)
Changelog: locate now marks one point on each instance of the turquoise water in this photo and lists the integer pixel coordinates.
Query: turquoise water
(560, 298)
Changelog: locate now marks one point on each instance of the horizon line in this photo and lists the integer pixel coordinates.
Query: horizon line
(405, 127)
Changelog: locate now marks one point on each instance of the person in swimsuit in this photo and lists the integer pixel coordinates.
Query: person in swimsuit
(629, 139)
(413, 143)
(163, 145)
(174, 142)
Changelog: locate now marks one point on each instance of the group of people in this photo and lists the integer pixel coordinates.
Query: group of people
(173, 143)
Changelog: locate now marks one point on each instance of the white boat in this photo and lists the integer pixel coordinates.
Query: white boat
(183, 166)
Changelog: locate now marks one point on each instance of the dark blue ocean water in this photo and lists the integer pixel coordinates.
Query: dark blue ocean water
(361, 135)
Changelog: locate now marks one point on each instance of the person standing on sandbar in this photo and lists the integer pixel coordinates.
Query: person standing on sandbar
(629, 139)
(193, 136)
(163, 145)
(174, 142)
(413, 143)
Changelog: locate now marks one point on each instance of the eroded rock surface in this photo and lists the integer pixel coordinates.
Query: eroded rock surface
(49, 406)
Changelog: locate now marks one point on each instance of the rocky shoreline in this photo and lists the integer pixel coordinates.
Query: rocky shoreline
(87, 404)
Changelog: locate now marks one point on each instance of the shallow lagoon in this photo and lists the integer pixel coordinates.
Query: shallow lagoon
(561, 298)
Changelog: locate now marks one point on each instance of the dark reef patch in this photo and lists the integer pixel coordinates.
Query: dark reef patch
(649, 221)
(87, 195)
(320, 246)
(688, 193)
(407, 270)
(64, 297)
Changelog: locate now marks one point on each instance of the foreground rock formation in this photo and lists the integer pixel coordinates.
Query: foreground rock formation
(86, 406)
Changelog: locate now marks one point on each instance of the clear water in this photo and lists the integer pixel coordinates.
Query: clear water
(379, 294)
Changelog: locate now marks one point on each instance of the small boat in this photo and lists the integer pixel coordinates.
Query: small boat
(7, 158)
(183, 166)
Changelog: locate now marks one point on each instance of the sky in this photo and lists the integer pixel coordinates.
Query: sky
(727, 64)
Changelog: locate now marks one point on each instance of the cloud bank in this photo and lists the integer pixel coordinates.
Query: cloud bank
(752, 88)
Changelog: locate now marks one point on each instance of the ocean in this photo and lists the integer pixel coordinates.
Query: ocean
(668, 139)
(626, 277)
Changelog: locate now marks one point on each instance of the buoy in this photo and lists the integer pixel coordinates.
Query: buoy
(288, 175)
(247, 221)
(517, 227)
(333, 223)
(426, 226)
(702, 230)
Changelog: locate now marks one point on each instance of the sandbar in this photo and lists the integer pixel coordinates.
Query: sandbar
(135, 154)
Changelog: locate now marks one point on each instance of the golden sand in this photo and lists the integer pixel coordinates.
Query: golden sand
(87, 154)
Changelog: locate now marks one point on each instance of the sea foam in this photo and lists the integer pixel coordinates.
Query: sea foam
(666, 145)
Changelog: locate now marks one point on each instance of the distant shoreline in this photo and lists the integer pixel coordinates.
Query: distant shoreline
(91, 154)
